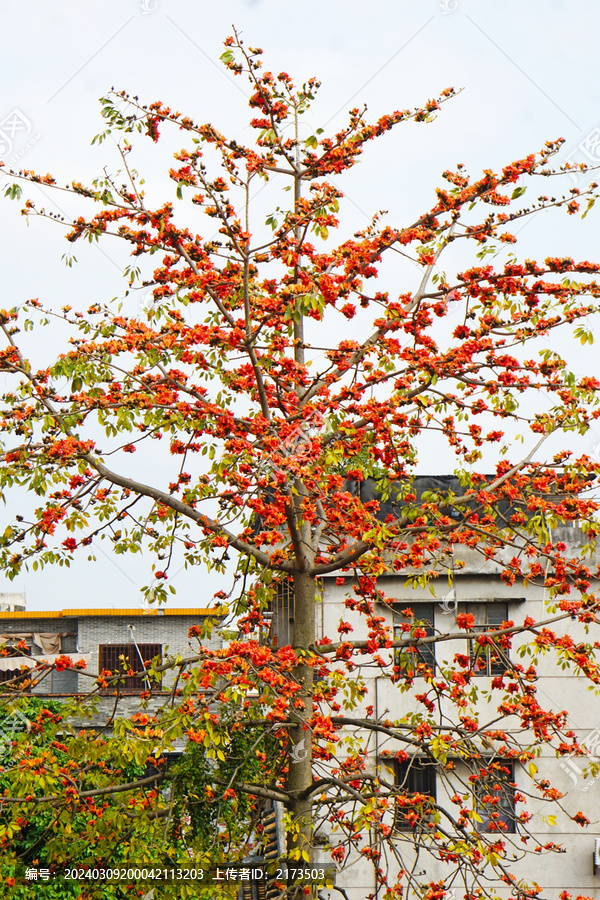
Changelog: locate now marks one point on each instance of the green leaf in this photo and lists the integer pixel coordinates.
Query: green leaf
(13, 192)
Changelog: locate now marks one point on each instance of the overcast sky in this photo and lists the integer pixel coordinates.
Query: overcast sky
(528, 73)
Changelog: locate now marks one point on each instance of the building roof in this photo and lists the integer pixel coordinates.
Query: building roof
(195, 612)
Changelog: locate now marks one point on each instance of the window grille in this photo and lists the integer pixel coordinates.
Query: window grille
(14, 679)
(487, 659)
(14, 676)
(282, 613)
(414, 659)
(119, 658)
(494, 791)
(415, 776)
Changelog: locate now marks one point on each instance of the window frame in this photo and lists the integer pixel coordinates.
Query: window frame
(15, 675)
(496, 659)
(18, 679)
(425, 654)
(109, 659)
(280, 613)
(506, 811)
(415, 775)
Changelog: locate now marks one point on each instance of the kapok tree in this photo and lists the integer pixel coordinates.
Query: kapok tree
(251, 363)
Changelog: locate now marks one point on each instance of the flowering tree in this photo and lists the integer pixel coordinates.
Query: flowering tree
(45, 759)
(251, 362)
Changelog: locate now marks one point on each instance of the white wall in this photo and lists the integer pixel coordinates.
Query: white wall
(556, 689)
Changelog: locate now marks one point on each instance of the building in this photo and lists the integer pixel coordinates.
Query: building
(11, 602)
(477, 589)
(97, 639)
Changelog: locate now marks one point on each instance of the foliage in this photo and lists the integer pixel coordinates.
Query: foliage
(267, 443)
(220, 818)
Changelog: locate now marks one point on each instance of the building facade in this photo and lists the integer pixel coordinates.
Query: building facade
(113, 640)
(479, 589)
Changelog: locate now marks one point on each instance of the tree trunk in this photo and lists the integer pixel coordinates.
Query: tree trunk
(300, 761)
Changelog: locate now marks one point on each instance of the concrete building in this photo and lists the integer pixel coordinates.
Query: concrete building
(12, 602)
(478, 589)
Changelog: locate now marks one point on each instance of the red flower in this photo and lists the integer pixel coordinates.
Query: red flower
(465, 620)
(580, 819)
(62, 663)
(141, 718)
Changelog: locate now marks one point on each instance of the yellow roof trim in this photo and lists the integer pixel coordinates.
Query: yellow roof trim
(80, 613)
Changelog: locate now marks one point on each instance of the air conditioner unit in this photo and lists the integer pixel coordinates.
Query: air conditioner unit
(596, 855)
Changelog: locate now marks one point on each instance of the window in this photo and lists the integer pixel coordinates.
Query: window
(168, 759)
(420, 658)
(487, 659)
(120, 657)
(14, 678)
(494, 792)
(416, 777)
(281, 612)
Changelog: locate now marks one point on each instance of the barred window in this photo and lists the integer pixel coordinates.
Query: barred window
(494, 790)
(15, 678)
(420, 658)
(122, 658)
(281, 610)
(414, 777)
(487, 659)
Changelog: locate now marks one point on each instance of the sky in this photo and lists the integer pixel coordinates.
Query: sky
(528, 73)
